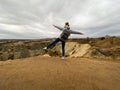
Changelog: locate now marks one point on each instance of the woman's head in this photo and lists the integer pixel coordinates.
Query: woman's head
(66, 23)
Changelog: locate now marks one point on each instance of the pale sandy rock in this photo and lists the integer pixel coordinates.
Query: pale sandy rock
(46, 55)
(80, 50)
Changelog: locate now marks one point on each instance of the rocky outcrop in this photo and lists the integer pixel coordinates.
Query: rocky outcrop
(21, 49)
(91, 48)
(74, 49)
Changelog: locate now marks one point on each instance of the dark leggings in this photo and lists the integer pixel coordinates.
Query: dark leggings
(56, 41)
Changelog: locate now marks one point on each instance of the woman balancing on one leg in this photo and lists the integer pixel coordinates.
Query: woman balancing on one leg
(63, 37)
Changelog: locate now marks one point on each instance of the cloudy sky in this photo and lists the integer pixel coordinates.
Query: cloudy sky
(33, 19)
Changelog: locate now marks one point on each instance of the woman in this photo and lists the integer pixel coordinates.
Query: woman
(63, 37)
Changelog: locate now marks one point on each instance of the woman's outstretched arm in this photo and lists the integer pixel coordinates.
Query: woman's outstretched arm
(75, 32)
(60, 28)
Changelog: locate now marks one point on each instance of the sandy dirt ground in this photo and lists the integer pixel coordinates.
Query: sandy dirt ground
(52, 73)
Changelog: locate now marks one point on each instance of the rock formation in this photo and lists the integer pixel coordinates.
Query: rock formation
(107, 48)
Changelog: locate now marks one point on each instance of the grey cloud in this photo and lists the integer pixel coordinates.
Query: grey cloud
(92, 17)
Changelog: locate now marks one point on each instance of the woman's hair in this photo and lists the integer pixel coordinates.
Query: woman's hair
(66, 23)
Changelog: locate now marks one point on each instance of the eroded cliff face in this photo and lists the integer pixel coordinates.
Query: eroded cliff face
(75, 49)
(103, 48)
(20, 49)
(106, 48)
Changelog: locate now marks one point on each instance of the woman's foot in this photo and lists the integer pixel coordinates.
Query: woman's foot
(45, 48)
(62, 58)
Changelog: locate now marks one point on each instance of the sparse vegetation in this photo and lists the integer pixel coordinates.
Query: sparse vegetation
(13, 49)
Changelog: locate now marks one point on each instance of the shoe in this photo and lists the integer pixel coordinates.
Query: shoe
(62, 58)
(45, 48)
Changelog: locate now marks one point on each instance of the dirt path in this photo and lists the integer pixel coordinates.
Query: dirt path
(52, 73)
